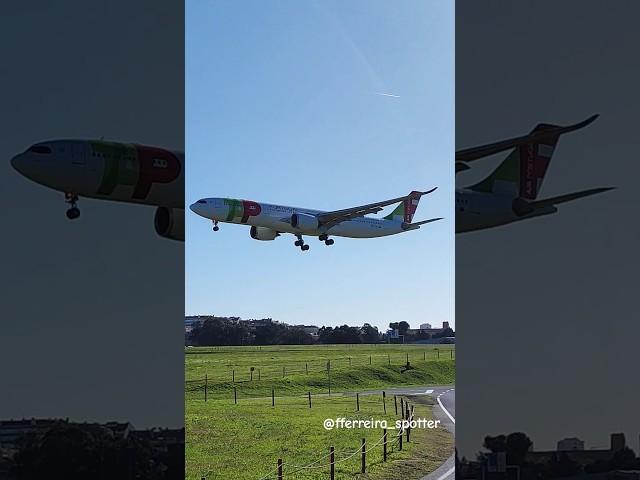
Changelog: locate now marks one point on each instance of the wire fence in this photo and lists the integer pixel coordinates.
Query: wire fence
(329, 462)
(223, 373)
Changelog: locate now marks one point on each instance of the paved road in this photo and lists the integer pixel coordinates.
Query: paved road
(445, 411)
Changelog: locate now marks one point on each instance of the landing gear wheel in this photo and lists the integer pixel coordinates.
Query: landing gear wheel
(73, 213)
(329, 241)
(215, 226)
(304, 248)
(298, 243)
(72, 199)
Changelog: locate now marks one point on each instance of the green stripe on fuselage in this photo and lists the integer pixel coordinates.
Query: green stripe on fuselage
(236, 209)
(121, 165)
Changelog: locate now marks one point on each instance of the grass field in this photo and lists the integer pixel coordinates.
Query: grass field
(226, 440)
(296, 369)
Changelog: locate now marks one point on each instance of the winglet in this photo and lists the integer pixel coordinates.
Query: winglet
(427, 192)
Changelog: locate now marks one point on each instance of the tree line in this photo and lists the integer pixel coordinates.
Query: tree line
(228, 331)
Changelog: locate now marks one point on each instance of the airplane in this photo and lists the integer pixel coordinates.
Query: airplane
(510, 193)
(121, 172)
(269, 221)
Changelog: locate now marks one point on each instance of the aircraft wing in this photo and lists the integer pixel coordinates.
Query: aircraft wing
(475, 153)
(330, 219)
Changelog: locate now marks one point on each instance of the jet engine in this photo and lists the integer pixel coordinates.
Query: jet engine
(521, 207)
(263, 233)
(304, 221)
(169, 223)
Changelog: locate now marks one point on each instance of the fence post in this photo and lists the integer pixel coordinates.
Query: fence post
(357, 402)
(306, 368)
(309, 399)
(384, 445)
(205, 386)
(279, 469)
(407, 358)
(395, 402)
(438, 353)
(283, 372)
(369, 359)
(233, 376)
(258, 374)
(332, 461)
(235, 396)
(451, 351)
(384, 401)
(251, 373)
(364, 453)
(349, 362)
(273, 397)
(389, 357)
(424, 355)
(402, 408)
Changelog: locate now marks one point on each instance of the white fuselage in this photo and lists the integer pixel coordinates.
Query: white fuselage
(278, 219)
(107, 170)
(479, 210)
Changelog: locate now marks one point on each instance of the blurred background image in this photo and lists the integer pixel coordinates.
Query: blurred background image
(92, 307)
(545, 307)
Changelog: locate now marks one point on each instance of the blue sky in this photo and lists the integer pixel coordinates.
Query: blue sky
(283, 106)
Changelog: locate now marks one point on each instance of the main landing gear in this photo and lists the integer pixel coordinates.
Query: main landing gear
(300, 243)
(325, 238)
(215, 226)
(72, 199)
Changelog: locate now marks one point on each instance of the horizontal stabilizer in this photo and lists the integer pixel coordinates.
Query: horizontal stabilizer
(413, 226)
(547, 202)
(524, 207)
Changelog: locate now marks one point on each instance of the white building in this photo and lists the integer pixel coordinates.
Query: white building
(570, 444)
(425, 326)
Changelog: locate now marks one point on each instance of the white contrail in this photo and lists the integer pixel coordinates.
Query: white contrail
(386, 94)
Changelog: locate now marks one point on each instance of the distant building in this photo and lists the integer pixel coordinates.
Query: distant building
(427, 328)
(260, 323)
(12, 430)
(395, 333)
(310, 329)
(580, 456)
(570, 444)
(192, 322)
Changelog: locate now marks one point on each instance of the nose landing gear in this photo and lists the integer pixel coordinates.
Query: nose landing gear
(72, 199)
(300, 243)
(215, 226)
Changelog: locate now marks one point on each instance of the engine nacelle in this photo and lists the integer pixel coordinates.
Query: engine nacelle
(263, 233)
(169, 223)
(521, 207)
(304, 222)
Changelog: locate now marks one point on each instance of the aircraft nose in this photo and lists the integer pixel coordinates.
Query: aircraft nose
(197, 208)
(18, 163)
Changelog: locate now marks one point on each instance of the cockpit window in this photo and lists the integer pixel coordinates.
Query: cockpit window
(40, 149)
(201, 201)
